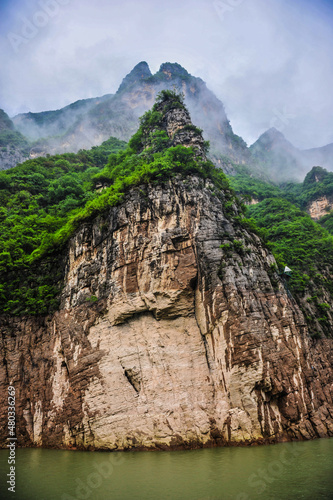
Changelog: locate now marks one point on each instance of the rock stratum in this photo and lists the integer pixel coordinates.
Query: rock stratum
(164, 339)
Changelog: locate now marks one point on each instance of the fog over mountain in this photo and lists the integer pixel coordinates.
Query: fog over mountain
(268, 61)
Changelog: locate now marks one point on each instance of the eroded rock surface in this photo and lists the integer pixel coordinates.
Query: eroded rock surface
(320, 207)
(165, 339)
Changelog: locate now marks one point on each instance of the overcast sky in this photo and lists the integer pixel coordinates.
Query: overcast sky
(270, 62)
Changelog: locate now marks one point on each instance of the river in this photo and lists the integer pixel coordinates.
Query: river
(287, 471)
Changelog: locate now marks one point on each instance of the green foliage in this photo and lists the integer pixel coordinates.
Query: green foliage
(92, 299)
(249, 187)
(13, 138)
(235, 246)
(297, 242)
(192, 128)
(317, 183)
(327, 222)
(43, 201)
(39, 200)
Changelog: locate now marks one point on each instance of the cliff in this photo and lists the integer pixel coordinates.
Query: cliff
(165, 339)
(173, 330)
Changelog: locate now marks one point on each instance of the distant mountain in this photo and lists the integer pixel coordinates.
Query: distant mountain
(90, 122)
(282, 161)
(278, 157)
(14, 147)
(54, 123)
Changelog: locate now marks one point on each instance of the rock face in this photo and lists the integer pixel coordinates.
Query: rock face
(180, 130)
(320, 207)
(165, 339)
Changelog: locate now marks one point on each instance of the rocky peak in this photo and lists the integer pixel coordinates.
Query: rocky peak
(140, 72)
(271, 138)
(173, 70)
(175, 120)
(281, 159)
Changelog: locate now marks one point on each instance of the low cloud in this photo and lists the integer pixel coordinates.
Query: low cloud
(269, 62)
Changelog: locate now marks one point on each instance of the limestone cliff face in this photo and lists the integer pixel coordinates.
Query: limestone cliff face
(320, 207)
(165, 339)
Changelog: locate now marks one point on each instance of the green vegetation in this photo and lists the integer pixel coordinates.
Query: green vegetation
(304, 246)
(13, 138)
(44, 200)
(297, 242)
(235, 246)
(317, 183)
(327, 222)
(38, 199)
(250, 187)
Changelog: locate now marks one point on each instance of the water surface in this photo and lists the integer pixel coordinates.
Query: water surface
(288, 471)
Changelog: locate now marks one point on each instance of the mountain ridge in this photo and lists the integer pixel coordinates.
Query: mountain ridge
(89, 122)
(118, 114)
(283, 161)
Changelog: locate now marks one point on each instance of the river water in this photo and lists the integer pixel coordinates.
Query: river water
(288, 471)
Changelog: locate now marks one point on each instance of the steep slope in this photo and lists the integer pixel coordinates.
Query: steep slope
(175, 352)
(173, 331)
(283, 214)
(14, 147)
(118, 115)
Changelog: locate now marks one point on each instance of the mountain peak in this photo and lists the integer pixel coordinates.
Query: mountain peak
(272, 139)
(279, 157)
(273, 134)
(173, 70)
(168, 124)
(140, 72)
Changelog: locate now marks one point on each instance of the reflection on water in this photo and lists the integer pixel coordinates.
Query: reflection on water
(288, 471)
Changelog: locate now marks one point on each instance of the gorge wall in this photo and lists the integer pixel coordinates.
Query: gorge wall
(165, 339)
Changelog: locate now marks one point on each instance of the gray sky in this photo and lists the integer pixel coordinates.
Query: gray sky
(269, 61)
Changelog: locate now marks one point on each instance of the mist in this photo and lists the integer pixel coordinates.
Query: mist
(267, 61)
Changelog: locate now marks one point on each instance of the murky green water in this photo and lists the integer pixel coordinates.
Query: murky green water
(289, 471)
